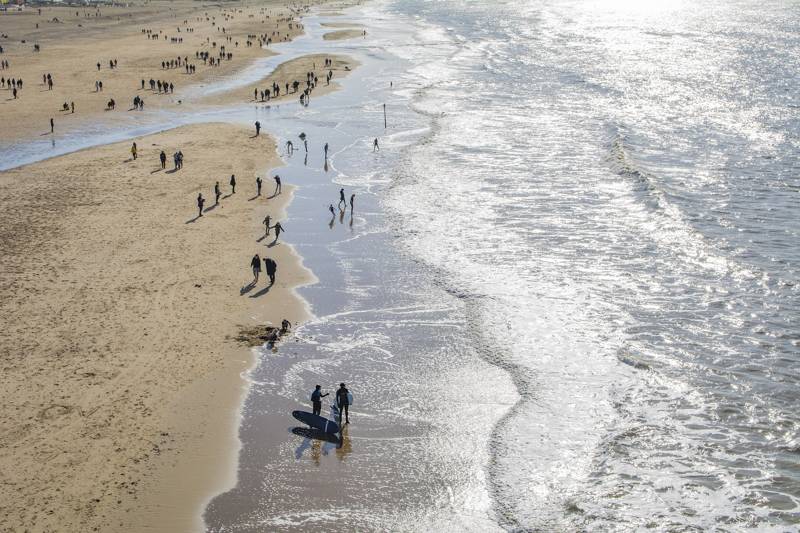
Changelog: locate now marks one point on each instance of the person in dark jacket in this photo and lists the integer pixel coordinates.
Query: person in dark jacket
(316, 399)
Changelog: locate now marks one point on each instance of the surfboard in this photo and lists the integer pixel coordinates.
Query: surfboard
(315, 421)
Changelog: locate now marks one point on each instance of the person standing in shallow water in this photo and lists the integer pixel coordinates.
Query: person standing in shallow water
(343, 402)
(316, 399)
(375, 146)
(352, 199)
(341, 199)
(256, 264)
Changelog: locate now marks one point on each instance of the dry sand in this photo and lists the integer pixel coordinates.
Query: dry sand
(121, 375)
(340, 35)
(72, 47)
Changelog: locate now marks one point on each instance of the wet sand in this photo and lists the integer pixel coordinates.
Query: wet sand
(122, 376)
(341, 35)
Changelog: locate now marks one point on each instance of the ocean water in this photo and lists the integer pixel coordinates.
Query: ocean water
(614, 185)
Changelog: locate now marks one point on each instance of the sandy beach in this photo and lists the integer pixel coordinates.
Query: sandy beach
(125, 310)
(123, 373)
(340, 35)
(73, 41)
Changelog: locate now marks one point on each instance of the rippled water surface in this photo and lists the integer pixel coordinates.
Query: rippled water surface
(616, 184)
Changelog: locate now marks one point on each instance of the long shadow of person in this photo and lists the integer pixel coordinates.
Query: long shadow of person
(262, 292)
(247, 288)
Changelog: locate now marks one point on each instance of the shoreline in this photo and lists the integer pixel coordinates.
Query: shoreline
(161, 478)
(178, 404)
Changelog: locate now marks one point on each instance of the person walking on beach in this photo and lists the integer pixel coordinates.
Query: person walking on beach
(278, 229)
(343, 402)
(332, 210)
(316, 399)
(72, 105)
(200, 202)
(163, 158)
(266, 225)
(256, 264)
(341, 200)
(326, 150)
(289, 147)
(134, 151)
(277, 185)
(271, 267)
(258, 128)
(233, 184)
(217, 194)
(258, 186)
(375, 146)
(52, 125)
(352, 199)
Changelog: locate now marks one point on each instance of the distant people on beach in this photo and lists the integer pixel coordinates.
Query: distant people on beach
(134, 151)
(278, 230)
(217, 193)
(258, 128)
(52, 125)
(200, 202)
(266, 222)
(341, 199)
(258, 186)
(270, 266)
(375, 146)
(163, 158)
(255, 263)
(277, 185)
(233, 184)
(352, 199)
